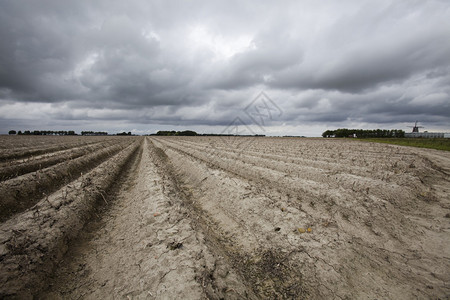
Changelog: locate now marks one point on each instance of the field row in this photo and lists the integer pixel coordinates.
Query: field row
(42, 210)
(332, 225)
(17, 167)
(230, 217)
(29, 147)
(24, 183)
(400, 177)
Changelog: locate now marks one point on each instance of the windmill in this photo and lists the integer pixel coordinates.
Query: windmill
(415, 127)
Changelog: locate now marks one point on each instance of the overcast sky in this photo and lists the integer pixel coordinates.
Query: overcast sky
(143, 65)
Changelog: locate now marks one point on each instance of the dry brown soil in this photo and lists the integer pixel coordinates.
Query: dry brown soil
(252, 218)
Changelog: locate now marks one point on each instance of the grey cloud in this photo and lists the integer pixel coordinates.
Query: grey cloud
(171, 62)
(391, 45)
(268, 55)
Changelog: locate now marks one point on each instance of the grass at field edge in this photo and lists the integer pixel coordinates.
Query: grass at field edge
(437, 143)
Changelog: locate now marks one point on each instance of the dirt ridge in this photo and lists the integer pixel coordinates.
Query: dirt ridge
(15, 168)
(264, 270)
(357, 234)
(240, 218)
(48, 145)
(22, 192)
(32, 243)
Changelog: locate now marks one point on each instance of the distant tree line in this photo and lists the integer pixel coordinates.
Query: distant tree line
(42, 132)
(362, 133)
(51, 132)
(177, 133)
(223, 134)
(124, 133)
(193, 133)
(89, 133)
(94, 133)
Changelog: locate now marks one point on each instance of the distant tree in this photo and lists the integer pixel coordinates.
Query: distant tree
(188, 133)
(19, 132)
(177, 133)
(12, 132)
(328, 133)
(93, 133)
(361, 133)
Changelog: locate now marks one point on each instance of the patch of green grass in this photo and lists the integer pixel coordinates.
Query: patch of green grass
(437, 143)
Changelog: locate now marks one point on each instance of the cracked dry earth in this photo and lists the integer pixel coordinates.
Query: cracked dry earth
(145, 246)
(243, 218)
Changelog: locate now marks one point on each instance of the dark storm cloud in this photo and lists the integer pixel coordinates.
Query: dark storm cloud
(196, 63)
(361, 51)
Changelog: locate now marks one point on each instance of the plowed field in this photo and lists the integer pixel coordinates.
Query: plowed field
(222, 218)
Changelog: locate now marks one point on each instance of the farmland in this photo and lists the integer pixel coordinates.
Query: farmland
(222, 217)
(431, 143)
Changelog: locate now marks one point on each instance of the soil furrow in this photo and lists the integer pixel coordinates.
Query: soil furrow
(33, 242)
(354, 163)
(148, 219)
(31, 149)
(238, 218)
(316, 177)
(22, 192)
(342, 249)
(318, 151)
(16, 168)
(238, 232)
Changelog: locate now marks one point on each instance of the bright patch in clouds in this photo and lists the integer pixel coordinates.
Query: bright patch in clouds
(223, 47)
